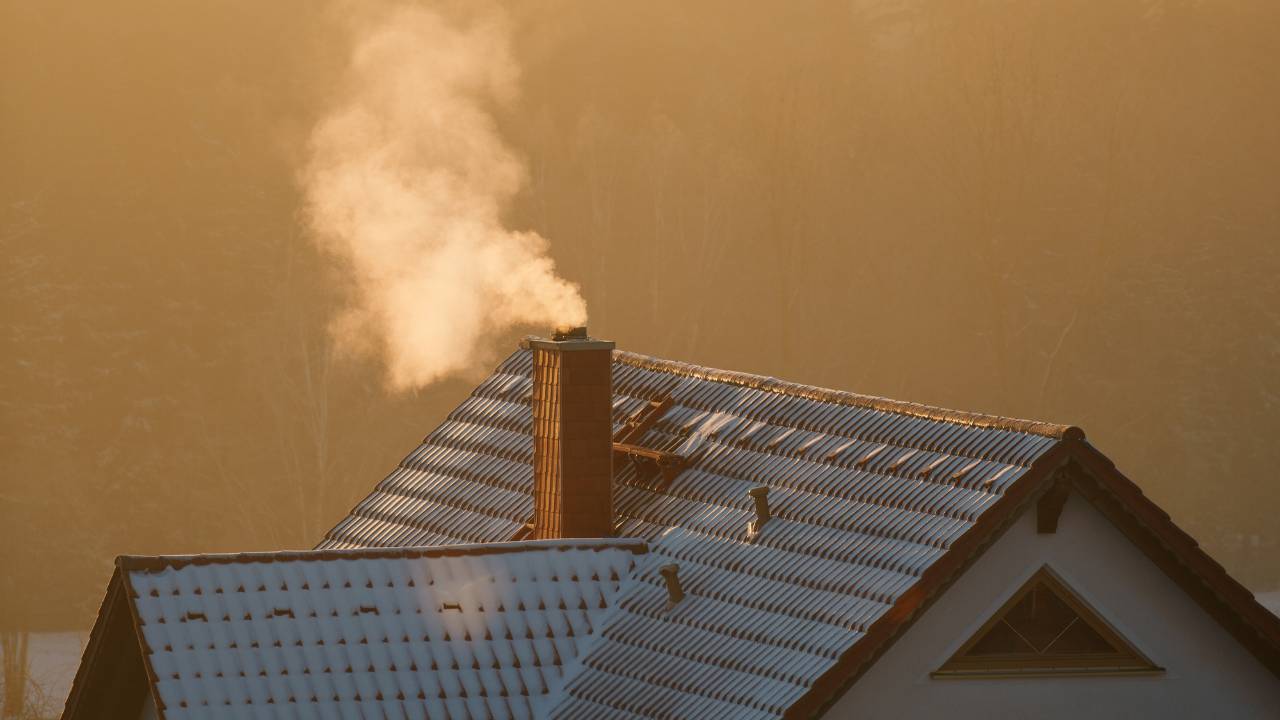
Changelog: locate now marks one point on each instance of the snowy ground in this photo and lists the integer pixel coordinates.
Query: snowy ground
(52, 659)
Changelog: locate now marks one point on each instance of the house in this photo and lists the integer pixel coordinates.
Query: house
(758, 549)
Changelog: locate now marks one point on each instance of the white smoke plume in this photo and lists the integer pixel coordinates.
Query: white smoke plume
(407, 184)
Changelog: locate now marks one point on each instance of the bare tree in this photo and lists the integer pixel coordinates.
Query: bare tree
(13, 644)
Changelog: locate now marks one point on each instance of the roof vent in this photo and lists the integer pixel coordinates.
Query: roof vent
(670, 573)
(761, 496)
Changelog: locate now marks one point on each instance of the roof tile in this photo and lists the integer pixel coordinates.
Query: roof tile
(478, 631)
(865, 494)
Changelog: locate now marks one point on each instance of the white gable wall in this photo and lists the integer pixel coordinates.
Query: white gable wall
(1208, 673)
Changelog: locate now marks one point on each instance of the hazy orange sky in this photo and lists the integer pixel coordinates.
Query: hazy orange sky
(1056, 210)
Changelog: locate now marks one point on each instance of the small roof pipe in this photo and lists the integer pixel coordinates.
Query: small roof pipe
(670, 573)
(761, 497)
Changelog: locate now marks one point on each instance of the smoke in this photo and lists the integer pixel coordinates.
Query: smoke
(407, 183)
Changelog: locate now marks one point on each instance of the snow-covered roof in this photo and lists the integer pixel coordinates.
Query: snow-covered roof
(866, 495)
(471, 479)
(876, 507)
(457, 632)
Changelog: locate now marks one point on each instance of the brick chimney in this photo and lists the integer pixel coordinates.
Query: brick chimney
(572, 436)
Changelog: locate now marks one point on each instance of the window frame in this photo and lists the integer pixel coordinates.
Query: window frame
(1128, 661)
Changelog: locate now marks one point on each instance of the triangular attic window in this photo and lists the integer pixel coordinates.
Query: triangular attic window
(1045, 629)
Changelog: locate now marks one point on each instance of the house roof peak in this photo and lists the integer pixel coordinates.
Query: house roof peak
(842, 397)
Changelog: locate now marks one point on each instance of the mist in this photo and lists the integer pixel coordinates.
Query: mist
(407, 185)
(227, 232)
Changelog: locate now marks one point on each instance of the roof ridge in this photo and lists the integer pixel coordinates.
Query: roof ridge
(154, 563)
(843, 397)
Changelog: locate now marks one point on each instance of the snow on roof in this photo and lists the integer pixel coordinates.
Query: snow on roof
(875, 507)
(866, 495)
(459, 632)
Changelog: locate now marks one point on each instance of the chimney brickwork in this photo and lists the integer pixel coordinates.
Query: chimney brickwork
(572, 436)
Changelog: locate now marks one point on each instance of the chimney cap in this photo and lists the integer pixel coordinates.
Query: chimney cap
(569, 333)
(570, 338)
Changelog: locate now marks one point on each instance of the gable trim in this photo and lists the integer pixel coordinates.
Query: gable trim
(143, 646)
(1179, 555)
(104, 679)
(92, 648)
(1090, 473)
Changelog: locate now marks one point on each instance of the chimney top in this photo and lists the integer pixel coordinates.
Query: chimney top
(570, 338)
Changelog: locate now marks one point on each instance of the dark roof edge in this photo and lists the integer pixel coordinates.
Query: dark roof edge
(840, 397)
(1226, 600)
(131, 563)
(1181, 557)
(117, 608)
(153, 680)
(92, 649)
